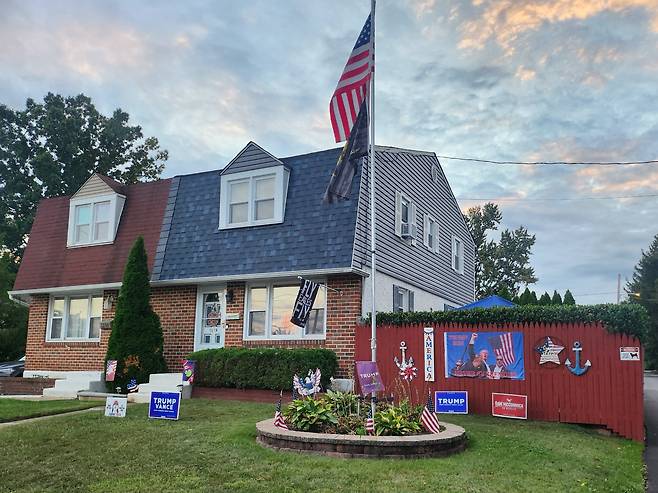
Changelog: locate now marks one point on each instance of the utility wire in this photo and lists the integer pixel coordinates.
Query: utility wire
(554, 199)
(565, 163)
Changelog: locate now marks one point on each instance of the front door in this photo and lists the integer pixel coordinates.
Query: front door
(211, 322)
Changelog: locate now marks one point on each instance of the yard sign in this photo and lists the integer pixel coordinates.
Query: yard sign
(164, 405)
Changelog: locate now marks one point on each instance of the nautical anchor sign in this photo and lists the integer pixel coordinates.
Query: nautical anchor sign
(577, 369)
(407, 369)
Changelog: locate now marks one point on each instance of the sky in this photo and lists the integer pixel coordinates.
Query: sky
(521, 80)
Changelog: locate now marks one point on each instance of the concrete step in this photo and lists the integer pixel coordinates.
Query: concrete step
(54, 393)
(166, 379)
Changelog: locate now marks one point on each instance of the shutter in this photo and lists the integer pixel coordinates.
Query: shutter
(436, 237)
(412, 220)
(398, 214)
(454, 246)
(426, 230)
(395, 298)
(411, 301)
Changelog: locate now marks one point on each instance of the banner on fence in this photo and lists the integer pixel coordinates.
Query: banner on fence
(428, 348)
(488, 355)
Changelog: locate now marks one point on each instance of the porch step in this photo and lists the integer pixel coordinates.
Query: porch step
(163, 382)
(68, 388)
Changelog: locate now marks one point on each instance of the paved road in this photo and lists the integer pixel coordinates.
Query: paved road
(651, 419)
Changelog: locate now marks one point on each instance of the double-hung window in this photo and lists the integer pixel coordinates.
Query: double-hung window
(269, 308)
(91, 222)
(75, 318)
(403, 299)
(405, 216)
(431, 233)
(457, 255)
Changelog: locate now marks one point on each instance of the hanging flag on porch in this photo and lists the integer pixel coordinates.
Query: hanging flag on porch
(308, 290)
(110, 370)
(428, 418)
(279, 421)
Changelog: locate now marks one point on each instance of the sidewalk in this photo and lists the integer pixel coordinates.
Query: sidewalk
(651, 420)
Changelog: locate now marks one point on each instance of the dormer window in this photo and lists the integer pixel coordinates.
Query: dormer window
(253, 194)
(94, 213)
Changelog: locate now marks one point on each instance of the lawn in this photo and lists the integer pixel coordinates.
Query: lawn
(14, 409)
(213, 448)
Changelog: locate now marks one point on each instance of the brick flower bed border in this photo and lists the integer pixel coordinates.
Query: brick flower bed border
(450, 441)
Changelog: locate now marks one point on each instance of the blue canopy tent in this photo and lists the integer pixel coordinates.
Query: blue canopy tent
(488, 302)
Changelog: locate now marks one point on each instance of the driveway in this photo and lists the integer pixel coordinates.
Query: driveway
(651, 420)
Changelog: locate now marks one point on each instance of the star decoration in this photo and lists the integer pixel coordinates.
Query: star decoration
(549, 352)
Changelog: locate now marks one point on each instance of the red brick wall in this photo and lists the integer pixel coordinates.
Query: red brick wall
(176, 306)
(24, 386)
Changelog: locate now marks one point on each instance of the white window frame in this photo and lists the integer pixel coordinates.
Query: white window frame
(457, 252)
(114, 214)
(65, 318)
(268, 336)
(430, 224)
(280, 175)
(401, 197)
(406, 296)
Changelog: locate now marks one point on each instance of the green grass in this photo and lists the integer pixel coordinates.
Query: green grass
(213, 448)
(15, 409)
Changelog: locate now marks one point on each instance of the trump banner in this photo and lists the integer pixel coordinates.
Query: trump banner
(487, 355)
(369, 378)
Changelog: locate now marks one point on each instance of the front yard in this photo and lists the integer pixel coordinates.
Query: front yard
(213, 448)
(14, 409)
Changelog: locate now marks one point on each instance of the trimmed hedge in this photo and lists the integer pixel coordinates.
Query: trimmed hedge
(626, 318)
(262, 368)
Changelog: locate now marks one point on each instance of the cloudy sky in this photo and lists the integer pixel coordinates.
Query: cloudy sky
(560, 80)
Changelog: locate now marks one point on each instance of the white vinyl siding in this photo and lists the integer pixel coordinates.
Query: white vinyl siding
(74, 318)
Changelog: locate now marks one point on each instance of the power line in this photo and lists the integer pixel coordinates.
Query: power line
(554, 199)
(564, 163)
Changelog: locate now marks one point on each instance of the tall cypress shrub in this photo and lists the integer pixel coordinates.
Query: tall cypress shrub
(568, 298)
(557, 299)
(545, 299)
(136, 341)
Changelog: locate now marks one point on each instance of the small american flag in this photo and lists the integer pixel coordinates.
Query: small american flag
(352, 86)
(503, 346)
(428, 418)
(370, 423)
(279, 422)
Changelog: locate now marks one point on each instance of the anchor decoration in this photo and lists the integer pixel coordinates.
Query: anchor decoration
(577, 369)
(407, 369)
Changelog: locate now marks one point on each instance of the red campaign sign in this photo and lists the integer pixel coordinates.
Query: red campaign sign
(509, 406)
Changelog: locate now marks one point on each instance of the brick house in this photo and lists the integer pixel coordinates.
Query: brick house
(225, 250)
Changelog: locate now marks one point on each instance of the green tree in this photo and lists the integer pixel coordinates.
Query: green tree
(525, 298)
(545, 299)
(533, 298)
(136, 341)
(51, 148)
(13, 317)
(505, 262)
(556, 299)
(643, 289)
(568, 298)
(503, 292)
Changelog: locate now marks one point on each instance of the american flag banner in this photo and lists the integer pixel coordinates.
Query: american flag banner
(428, 418)
(370, 423)
(352, 86)
(503, 346)
(279, 422)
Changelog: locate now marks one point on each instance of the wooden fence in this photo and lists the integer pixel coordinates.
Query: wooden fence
(610, 394)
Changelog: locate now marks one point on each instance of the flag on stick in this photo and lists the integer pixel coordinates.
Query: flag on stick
(428, 418)
(352, 86)
(370, 423)
(279, 422)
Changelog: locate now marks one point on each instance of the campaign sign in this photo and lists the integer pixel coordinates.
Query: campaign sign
(509, 406)
(164, 405)
(369, 377)
(115, 406)
(451, 401)
(486, 355)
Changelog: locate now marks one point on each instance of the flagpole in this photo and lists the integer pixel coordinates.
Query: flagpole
(373, 255)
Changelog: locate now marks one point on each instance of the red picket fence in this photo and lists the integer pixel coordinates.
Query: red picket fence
(610, 394)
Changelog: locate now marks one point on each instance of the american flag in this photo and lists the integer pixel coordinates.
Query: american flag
(133, 386)
(370, 423)
(279, 422)
(352, 86)
(428, 418)
(503, 346)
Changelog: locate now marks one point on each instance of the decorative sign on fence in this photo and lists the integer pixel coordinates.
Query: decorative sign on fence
(164, 405)
(369, 378)
(115, 407)
(110, 370)
(629, 353)
(509, 406)
(490, 355)
(576, 368)
(408, 370)
(428, 348)
(451, 401)
(549, 350)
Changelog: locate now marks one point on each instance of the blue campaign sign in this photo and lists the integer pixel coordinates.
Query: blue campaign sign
(449, 401)
(164, 405)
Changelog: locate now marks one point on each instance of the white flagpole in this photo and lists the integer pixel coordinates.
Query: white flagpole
(373, 264)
